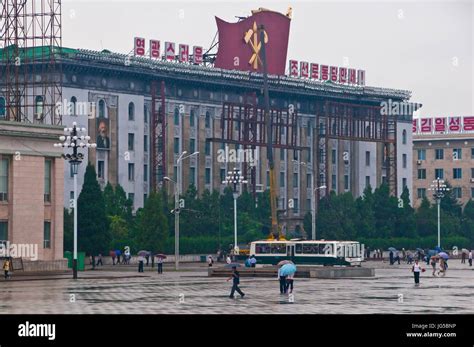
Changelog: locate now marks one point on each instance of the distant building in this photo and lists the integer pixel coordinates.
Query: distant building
(444, 153)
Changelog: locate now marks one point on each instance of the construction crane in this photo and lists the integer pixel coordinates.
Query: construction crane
(275, 230)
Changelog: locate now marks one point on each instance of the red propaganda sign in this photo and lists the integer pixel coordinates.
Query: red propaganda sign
(333, 70)
(440, 124)
(169, 50)
(139, 46)
(426, 125)
(240, 43)
(324, 72)
(154, 49)
(414, 128)
(304, 69)
(352, 76)
(183, 53)
(468, 123)
(454, 123)
(293, 68)
(315, 71)
(361, 77)
(342, 75)
(197, 55)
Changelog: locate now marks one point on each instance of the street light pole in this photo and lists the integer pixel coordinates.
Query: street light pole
(75, 159)
(439, 187)
(234, 178)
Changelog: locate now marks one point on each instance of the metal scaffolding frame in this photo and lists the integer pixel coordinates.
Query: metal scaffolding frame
(158, 136)
(30, 33)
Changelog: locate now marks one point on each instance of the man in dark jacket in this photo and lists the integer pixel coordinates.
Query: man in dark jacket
(236, 281)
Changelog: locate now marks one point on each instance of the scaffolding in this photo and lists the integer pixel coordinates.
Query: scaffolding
(158, 136)
(31, 74)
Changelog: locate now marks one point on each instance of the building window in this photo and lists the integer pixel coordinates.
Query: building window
(295, 206)
(457, 153)
(101, 169)
(175, 173)
(472, 172)
(145, 143)
(308, 180)
(472, 193)
(309, 128)
(367, 158)
(282, 154)
(439, 173)
(192, 176)
(333, 156)
(457, 173)
(192, 145)
(39, 106)
(3, 110)
(145, 196)
(333, 182)
(73, 109)
(48, 164)
(404, 161)
(176, 116)
(208, 120)
(207, 147)
(191, 119)
(131, 141)
(295, 155)
(3, 231)
(421, 193)
(367, 181)
(404, 137)
(472, 149)
(421, 174)
(131, 111)
(145, 173)
(346, 182)
(71, 195)
(268, 179)
(131, 197)
(439, 154)
(282, 179)
(47, 235)
(4, 168)
(404, 182)
(101, 108)
(131, 171)
(422, 154)
(145, 114)
(208, 176)
(457, 192)
(222, 175)
(295, 180)
(176, 145)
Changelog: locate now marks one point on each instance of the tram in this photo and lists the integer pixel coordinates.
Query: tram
(308, 252)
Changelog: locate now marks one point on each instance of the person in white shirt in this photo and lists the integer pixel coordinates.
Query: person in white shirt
(416, 269)
(470, 258)
(210, 261)
(228, 260)
(160, 264)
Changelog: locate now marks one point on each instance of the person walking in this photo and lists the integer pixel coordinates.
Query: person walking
(6, 268)
(235, 283)
(470, 258)
(463, 258)
(289, 282)
(228, 260)
(416, 269)
(210, 261)
(442, 267)
(253, 261)
(434, 259)
(140, 263)
(99, 260)
(282, 280)
(159, 261)
(391, 258)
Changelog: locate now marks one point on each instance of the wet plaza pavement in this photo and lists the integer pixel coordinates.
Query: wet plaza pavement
(392, 290)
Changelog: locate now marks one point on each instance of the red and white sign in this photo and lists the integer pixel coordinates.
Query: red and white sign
(170, 50)
(324, 72)
(414, 128)
(293, 68)
(304, 69)
(139, 46)
(352, 76)
(154, 49)
(426, 125)
(333, 71)
(183, 53)
(440, 124)
(455, 124)
(361, 77)
(468, 123)
(342, 75)
(197, 55)
(315, 71)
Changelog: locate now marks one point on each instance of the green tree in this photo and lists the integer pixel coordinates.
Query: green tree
(152, 224)
(93, 234)
(385, 207)
(406, 223)
(468, 222)
(68, 224)
(425, 219)
(119, 231)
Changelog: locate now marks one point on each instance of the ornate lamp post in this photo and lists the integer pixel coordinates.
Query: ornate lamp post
(73, 139)
(438, 187)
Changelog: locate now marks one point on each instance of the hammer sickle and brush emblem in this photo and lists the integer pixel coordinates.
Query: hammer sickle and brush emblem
(251, 37)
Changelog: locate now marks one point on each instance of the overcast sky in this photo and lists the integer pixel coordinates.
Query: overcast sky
(423, 46)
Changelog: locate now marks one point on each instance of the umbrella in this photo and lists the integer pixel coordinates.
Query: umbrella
(112, 254)
(159, 255)
(438, 249)
(464, 250)
(420, 250)
(443, 255)
(143, 253)
(287, 269)
(118, 252)
(392, 249)
(283, 262)
(231, 265)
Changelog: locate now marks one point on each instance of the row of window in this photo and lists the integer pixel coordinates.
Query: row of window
(4, 178)
(439, 173)
(439, 154)
(457, 192)
(46, 233)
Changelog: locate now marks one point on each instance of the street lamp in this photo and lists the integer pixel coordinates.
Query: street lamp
(234, 178)
(439, 187)
(313, 198)
(176, 210)
(74, 140)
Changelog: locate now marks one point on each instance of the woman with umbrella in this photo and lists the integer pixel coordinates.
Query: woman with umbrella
(443, 263)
